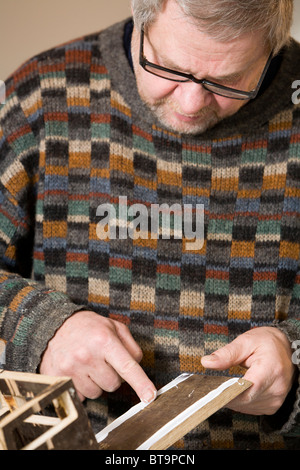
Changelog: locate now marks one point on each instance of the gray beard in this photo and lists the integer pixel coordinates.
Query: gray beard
(199, 128)
(208, 118)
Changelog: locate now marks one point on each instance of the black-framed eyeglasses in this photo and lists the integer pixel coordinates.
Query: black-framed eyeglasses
(212, 87)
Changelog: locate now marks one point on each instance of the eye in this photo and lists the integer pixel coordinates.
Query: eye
(230, 82)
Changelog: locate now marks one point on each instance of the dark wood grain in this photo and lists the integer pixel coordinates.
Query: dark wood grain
(140, 427)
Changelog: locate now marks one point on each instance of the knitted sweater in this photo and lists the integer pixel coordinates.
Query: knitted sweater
(74, 134)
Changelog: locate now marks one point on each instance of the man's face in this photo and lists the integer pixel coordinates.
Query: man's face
(174, 42)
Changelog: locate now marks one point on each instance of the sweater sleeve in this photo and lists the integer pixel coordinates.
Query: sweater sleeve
(291, 327)
(30, 314)
(287, 419)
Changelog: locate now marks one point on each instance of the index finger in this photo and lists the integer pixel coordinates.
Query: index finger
(128, 341)
(129, 369)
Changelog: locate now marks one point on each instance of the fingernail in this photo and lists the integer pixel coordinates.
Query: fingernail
(209, 358)
(149, 396)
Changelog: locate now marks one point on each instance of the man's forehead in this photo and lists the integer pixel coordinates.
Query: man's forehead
(179, 52)
(173, 28)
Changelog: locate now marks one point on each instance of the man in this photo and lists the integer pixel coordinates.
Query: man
(190, 105)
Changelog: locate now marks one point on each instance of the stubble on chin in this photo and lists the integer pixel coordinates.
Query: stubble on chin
(165, 112)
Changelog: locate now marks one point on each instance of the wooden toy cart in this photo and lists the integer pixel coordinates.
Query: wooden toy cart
(39, 413)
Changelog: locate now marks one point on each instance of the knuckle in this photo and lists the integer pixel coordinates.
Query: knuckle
(94, 395)
(274, 407)
(82, 356)
(122, 326)
(248, 398)
(278, 402)
(67, 365)
(138, 354)
(229, 353)
(278, 369)
(113, 385)
(127, 367)
(280, 394)
(103, 338)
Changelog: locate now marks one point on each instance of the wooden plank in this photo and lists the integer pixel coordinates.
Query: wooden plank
(179, 408)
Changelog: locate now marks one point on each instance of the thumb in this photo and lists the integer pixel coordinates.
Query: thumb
(233, 354)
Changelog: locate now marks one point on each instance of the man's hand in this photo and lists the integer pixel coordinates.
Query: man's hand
(97, 353)
(267, 354)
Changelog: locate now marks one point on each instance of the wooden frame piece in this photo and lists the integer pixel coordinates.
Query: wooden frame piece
(180, 407)
(38, 412)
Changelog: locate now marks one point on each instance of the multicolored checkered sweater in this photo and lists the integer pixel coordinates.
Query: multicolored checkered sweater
(74, 134)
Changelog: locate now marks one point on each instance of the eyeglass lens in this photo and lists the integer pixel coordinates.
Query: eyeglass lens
(208, 86)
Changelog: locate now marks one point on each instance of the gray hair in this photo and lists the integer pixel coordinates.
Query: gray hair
(225, 20)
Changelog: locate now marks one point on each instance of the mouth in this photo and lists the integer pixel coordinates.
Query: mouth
(185, 118)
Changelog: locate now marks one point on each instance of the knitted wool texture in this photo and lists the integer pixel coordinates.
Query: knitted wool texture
(73, 135)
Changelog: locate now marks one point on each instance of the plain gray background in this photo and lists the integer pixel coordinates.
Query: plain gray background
(31, 26)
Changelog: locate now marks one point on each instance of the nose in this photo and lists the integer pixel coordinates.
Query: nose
(192, 97)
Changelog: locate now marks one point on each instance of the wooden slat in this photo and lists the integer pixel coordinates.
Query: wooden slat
(166, 420)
